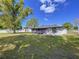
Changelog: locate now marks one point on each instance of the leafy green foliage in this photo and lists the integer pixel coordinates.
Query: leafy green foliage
(13, 12)
(68, 26)
(1, 25)
(32, 22)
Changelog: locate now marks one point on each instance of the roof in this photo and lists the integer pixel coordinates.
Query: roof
(46, 26)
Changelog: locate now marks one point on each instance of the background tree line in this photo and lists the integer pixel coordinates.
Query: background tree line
(70, 26)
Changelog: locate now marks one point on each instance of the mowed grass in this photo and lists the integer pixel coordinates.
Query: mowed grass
(16, 34)
(39, 47)
(7, 35)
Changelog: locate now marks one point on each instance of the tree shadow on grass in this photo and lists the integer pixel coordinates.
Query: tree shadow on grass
(41, 47)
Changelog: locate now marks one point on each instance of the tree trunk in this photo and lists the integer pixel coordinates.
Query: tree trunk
(14, 30)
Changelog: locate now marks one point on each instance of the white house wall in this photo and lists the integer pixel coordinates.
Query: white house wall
(6, 31)
(58, 32)
(61, 32)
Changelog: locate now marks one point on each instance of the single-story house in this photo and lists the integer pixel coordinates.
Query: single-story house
(48, 30)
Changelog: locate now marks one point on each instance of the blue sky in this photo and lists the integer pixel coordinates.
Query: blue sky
(49, 12)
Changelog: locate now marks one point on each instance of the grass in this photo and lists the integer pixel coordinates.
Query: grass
(11, 34)
(39, 47)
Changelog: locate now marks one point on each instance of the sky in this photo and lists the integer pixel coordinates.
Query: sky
(49, 12)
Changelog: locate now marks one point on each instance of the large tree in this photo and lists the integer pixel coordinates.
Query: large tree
(12, 12)
(32, 22)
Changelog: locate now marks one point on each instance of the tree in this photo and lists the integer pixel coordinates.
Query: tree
(19, 26)
(76, 22)
(32, 22)
(75, 27)
(68, 26)
(13, 12)
(1, 25)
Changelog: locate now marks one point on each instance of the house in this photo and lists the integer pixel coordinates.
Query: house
(48, 30)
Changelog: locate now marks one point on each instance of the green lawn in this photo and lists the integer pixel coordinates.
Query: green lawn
(16, 34)
(39, 47)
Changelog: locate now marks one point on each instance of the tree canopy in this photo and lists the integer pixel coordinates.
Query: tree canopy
(13, 12)
(32, 22)
(68, 26)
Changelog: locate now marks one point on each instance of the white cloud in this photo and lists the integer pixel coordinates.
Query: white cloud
(49, 0)
(42, 1)
(49, 7)
(62, 1)
(43, 7)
